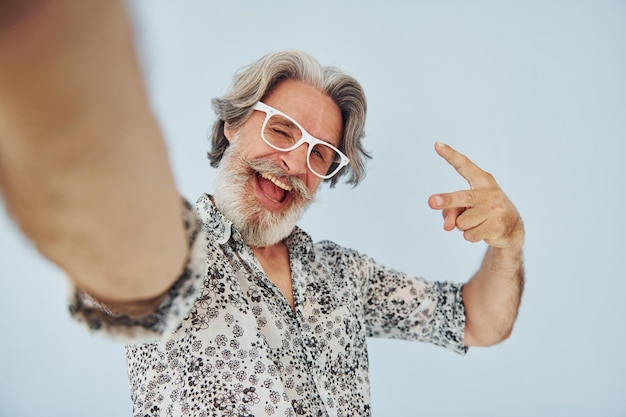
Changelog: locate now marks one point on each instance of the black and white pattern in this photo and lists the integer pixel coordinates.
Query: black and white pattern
(227, 343)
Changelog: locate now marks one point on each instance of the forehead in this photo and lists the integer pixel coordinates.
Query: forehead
(312, 108)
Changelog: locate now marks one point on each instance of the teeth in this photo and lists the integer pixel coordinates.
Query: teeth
(277, 182)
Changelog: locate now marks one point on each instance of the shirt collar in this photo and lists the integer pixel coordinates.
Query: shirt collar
(300, 244)
(213, 221)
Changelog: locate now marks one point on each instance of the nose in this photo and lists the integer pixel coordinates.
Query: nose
(294, 161)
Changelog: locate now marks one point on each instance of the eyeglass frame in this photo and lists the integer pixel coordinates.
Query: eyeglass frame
(307, 138)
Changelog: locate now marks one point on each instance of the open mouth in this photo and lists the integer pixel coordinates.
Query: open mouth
(274, 188)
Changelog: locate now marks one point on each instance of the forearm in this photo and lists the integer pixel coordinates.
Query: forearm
(83, 169)
(492, 297)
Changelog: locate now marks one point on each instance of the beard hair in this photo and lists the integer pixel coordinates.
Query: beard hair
(235, 198)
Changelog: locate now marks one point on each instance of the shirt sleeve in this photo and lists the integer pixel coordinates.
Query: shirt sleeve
(401, 306)
(168, 316)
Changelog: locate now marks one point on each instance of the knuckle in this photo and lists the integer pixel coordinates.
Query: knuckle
(471, 197)
(460, 223)
(469, 236)
(489, 177)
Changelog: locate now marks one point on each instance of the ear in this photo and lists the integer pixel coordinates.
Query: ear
(229, 131)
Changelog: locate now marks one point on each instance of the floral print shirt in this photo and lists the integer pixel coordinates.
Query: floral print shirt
(226, 342)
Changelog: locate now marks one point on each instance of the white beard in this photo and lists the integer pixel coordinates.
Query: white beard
(235, 197)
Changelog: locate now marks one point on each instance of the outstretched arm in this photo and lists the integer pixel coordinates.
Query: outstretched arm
(492, 297)
(83, 168)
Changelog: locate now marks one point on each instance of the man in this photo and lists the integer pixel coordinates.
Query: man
(261, 321)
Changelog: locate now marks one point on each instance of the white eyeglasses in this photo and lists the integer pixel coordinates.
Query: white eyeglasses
(283, 133)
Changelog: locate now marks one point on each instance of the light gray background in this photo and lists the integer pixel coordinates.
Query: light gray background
(534, 92)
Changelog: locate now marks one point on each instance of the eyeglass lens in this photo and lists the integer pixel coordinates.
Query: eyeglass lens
(283, 134)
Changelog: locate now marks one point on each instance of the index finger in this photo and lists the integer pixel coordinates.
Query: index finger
(475, 176)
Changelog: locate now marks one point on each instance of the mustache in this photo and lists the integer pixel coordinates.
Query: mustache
(264, 166)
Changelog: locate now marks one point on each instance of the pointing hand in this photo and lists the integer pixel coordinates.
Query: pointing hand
(483, 212)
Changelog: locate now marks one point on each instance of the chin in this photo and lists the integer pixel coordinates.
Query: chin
(258, 225)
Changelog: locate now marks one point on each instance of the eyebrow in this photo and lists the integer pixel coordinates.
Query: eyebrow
(291, 125)
(295, 124)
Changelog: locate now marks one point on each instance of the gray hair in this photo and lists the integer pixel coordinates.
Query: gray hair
(257, 80)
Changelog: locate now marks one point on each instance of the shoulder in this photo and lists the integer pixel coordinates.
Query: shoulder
(330, 247)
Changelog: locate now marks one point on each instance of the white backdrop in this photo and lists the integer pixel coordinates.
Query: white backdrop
(533, 91)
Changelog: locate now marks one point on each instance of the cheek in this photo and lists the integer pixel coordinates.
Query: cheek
(249, 149)
(253, 147)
